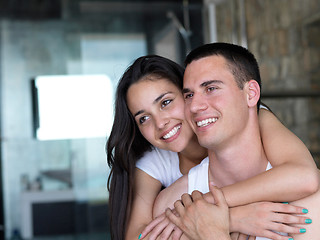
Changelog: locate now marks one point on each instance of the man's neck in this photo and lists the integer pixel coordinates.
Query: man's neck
(240, 158)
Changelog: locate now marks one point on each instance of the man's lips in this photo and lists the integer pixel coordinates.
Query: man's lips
(206, 122)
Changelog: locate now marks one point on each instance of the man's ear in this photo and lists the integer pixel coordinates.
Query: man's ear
(253, 92)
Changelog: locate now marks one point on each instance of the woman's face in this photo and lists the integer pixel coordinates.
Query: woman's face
(158, 108)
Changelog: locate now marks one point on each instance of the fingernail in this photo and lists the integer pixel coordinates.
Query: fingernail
(290, 239)
(308, 221)
(302, 230)
(285, 203)
(304, 210)
(139, 236)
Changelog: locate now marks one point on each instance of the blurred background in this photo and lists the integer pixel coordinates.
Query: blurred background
(61, 60)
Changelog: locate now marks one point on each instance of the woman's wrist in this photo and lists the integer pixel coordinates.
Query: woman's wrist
(233, 220)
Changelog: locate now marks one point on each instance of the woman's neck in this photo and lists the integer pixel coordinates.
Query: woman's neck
(191, 156)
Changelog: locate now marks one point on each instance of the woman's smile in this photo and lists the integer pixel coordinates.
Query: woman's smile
(172, 134)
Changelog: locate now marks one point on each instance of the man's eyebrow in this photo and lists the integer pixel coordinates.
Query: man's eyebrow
(185, 90)
(206, 83)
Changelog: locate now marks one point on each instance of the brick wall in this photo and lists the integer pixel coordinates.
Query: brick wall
(284, 35)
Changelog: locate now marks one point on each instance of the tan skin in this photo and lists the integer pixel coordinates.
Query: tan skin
(156, 125)
(211, 220)
(222, 99)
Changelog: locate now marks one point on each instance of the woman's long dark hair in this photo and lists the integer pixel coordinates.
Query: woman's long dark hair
(126, 144)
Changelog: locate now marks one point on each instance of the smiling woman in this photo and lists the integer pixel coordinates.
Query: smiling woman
(150, 105)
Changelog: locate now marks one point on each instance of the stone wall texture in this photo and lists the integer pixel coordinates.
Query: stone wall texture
(284, 35)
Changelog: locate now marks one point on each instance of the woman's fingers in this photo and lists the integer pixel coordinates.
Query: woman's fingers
(243, 237)
(290, 219)
(166, 232)
(157, 230)
(152, 225)
(177, 233)
(252, 238)
(234, 235)
(288, 208)
(284, 228)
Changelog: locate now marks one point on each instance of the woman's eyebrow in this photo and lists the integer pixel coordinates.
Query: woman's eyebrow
(137, 113)
(155, 101)
(160, 97)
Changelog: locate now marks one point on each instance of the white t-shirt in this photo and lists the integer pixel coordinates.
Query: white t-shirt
(161, 164)
(198, 179)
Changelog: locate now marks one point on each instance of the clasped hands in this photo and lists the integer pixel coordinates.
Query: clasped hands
(195, 217)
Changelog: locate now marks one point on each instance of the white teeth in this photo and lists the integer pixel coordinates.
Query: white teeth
(172, 132)
(206, 122)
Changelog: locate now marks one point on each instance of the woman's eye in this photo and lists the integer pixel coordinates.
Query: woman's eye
(165, 103)
(143, 119)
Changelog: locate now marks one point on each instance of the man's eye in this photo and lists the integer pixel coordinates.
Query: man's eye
(165, 103)
(210, 89)
(143, 119)
(189, 95)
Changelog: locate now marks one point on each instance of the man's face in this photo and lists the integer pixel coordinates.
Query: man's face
(215, 107)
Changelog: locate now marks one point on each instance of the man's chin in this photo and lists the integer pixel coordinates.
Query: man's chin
(205, 143)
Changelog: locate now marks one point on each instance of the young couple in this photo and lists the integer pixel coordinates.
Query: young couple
(164, 126)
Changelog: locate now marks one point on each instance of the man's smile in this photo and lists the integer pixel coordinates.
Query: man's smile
(206, 122)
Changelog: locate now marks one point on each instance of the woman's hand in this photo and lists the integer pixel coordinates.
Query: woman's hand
(241, 236)
(161, 228)
(264, 219)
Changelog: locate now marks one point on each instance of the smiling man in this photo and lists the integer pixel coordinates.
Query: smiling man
(222, 94)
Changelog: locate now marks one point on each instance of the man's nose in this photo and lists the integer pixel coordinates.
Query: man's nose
(198, 103)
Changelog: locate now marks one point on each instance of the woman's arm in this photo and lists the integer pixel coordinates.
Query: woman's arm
(294, 174)
(312, 204)
(145, 191)
(256, 219)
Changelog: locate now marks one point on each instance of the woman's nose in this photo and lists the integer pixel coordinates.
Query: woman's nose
(162, 121)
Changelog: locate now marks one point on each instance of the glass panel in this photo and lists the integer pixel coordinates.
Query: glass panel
(56, 189)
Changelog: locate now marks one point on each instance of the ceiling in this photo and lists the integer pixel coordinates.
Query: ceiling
(54, 9)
